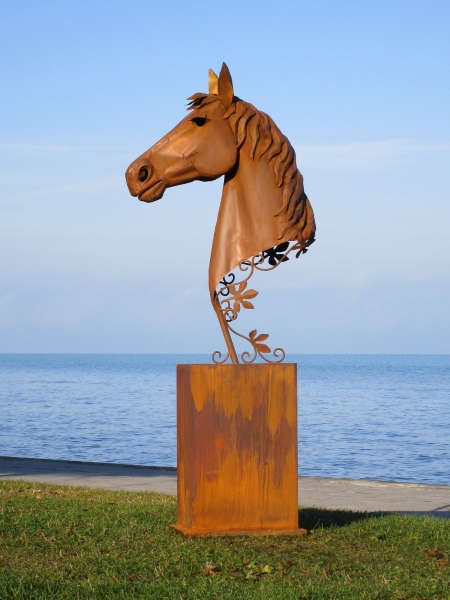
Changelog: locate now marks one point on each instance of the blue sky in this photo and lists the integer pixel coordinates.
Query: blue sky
(360, 88)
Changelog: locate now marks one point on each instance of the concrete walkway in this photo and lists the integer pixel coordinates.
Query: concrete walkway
(313, 491)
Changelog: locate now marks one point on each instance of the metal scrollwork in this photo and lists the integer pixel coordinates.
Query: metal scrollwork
(231, 296)
(217, 357)
(226, 283)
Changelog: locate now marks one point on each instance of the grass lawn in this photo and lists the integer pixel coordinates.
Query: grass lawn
(66, 542)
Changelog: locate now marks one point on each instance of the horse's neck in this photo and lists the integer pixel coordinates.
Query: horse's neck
(246, 224)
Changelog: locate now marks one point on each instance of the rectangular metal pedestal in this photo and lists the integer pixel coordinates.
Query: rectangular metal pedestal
(237, 449)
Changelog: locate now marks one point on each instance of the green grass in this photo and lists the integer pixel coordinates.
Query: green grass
(66, 542)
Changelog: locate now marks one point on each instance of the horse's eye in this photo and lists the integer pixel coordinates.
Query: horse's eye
(199, 121)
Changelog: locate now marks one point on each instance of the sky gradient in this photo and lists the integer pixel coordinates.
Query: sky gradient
(361, 90)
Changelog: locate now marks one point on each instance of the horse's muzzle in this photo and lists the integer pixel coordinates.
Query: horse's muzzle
(143, 182)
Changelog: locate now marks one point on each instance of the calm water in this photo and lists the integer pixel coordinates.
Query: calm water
(360, 416)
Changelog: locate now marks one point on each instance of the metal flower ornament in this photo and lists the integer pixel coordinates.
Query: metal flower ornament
(264, 216)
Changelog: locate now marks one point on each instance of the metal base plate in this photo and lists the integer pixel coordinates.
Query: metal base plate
(189, 533)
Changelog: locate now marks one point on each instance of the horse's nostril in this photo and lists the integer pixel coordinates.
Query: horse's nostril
(143, 174)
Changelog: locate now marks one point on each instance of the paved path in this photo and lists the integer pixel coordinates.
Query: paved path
(313, 491)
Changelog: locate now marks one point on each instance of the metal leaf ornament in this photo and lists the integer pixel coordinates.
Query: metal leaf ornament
(276, 254)
(256, 342)
(241, 296)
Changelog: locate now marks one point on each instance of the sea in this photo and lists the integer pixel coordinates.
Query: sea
(382, 417)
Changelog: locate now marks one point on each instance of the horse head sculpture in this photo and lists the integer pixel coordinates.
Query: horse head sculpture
(264, 213)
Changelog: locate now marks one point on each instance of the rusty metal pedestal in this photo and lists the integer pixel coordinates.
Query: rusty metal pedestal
(237, 450)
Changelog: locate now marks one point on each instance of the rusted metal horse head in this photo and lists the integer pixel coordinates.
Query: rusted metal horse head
(264, 213)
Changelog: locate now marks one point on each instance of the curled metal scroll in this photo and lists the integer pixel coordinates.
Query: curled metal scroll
(232, 295)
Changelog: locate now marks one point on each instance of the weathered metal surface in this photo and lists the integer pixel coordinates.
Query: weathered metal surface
(264, 212)
(237, 448)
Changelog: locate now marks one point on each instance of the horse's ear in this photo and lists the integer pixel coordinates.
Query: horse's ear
(225, 86)
(213, 82)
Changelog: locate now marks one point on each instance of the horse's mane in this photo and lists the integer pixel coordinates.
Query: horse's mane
(268, 143)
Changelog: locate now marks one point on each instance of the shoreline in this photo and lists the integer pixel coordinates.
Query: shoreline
(323, 492)
(167, 468)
